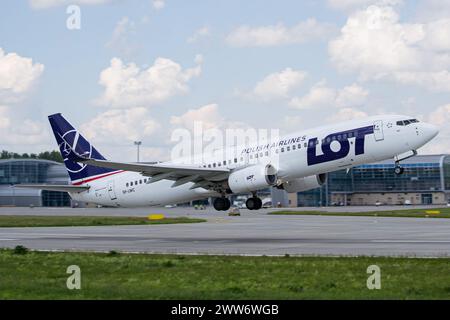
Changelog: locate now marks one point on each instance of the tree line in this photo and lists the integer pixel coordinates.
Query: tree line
(46, 155)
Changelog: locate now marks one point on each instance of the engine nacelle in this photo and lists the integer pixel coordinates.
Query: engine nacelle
(252, 178)
(303, 184)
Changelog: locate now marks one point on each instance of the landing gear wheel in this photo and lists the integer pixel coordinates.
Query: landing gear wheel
(399, 170)
(221, 204)
(253, 203)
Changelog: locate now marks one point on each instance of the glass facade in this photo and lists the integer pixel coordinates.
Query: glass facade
(423, 175)
(19, 171)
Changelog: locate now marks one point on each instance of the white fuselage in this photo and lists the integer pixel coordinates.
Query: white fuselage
(384, 139)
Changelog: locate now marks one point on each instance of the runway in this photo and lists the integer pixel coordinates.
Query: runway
(251, 234)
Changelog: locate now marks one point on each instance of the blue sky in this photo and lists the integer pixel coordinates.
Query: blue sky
(265, 64)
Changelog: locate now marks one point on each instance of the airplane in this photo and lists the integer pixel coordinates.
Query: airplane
(295, 162)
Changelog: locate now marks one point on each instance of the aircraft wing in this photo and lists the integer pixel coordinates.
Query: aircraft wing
(53, 187)
(181, 174)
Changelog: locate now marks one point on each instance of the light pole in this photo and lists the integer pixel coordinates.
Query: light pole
(138, 144)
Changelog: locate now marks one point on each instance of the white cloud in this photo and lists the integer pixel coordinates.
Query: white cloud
(432, 10)
(353, 95)
(278, 84)
(119, 39)
(43, 4)
(202, 32)
(29, 132)
(320, 95)
(158, 4)
(208, 115)
(129, 86)
(273, 35)
(376, 45)
(17, 75)
(120, 126)
(345, 114)
(350, 5)
(5, 122)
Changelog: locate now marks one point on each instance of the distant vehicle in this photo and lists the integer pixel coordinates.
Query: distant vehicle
(378, 203)
(170, 206)
(234, 211)
(267, 204)
(295, 162)
(407, 202)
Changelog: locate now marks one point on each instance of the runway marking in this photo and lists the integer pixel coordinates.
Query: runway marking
(8, 239)
(412, 241)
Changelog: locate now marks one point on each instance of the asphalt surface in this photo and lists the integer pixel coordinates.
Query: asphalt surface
(248, 234)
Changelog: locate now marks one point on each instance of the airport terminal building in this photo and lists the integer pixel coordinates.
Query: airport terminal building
(426, 180)
(16, 171)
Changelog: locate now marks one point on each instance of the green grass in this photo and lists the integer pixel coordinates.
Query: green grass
(41, 275)
(410, 213)
(65, 221)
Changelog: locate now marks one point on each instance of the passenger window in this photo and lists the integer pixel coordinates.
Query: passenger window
(256, 156)
(282, 149)
(127, 184)
(131, 183)
(276, 150)
(214, 164)
(140, 181)
(288, 148)
(293, 147)
(242, 159)
(235, 160)
(267, 153)
(261, 155)
(299, 145)
(219, 164)
(136, 183)
(209, 165)
(305, 144)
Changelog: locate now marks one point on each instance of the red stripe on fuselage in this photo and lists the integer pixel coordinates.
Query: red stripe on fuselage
(96, 178)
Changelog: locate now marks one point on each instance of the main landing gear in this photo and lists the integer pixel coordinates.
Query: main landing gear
(221, 204)
(253, 203)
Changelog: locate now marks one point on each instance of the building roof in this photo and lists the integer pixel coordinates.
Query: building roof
(2, 161)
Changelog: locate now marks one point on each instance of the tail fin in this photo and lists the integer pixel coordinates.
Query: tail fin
(70, 141)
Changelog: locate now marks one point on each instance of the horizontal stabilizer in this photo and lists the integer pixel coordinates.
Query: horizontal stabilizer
(53, 187)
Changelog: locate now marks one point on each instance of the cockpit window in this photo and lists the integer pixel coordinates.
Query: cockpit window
(406, 122)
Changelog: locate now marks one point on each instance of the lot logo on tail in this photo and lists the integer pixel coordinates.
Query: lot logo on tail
(73, 141)
(343, 139)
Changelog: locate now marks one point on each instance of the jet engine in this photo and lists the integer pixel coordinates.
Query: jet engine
(303, 184)
(252, 178)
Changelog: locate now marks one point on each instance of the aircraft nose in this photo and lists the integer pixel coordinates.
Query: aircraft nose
(429, 131)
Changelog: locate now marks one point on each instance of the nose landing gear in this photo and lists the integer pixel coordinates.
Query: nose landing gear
(398, 169)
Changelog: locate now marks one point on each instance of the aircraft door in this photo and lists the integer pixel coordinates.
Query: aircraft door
(111, 191)
(378, 130)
